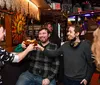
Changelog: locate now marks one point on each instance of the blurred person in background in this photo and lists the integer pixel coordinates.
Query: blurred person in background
(54, 36)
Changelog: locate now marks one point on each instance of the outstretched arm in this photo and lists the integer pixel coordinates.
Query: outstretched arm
(18, 57)
(12, 57)
(50, 52)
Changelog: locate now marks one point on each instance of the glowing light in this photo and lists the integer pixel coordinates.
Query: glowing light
(33, 4)
(72, 18)
(33, 10)
(86, 15)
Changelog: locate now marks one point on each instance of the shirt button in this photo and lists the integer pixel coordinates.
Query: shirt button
(39, 71)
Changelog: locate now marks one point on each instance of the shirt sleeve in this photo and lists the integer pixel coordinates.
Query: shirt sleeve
(6, 56)
(18, 48)
(89, 61)
(16, 58)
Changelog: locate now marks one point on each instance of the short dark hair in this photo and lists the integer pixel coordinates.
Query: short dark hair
(44, 28)
(77, 28)
(46, 24)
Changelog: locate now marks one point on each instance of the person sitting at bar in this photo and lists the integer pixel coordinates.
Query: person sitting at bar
(42, 69)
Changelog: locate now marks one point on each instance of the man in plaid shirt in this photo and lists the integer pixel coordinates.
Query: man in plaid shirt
(43, 69)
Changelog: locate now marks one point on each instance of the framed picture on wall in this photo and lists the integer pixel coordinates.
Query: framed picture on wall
(18, 28)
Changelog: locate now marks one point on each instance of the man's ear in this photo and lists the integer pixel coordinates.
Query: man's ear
(49, 35)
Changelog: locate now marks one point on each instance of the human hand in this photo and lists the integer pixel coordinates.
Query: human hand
(45, 81)
(30, 47)
(84, 81)
(23, 44)
(39, 47)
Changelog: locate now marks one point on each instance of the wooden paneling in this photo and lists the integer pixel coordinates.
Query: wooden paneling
(8, 32)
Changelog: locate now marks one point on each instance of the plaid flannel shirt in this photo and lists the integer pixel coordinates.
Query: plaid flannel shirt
(43, 65)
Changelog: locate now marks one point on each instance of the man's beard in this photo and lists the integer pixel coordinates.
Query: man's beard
(73, 43)
(43, 41)
(73, 40)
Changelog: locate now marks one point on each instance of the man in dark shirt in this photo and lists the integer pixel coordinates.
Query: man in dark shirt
(78, 67)
(42, 68)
